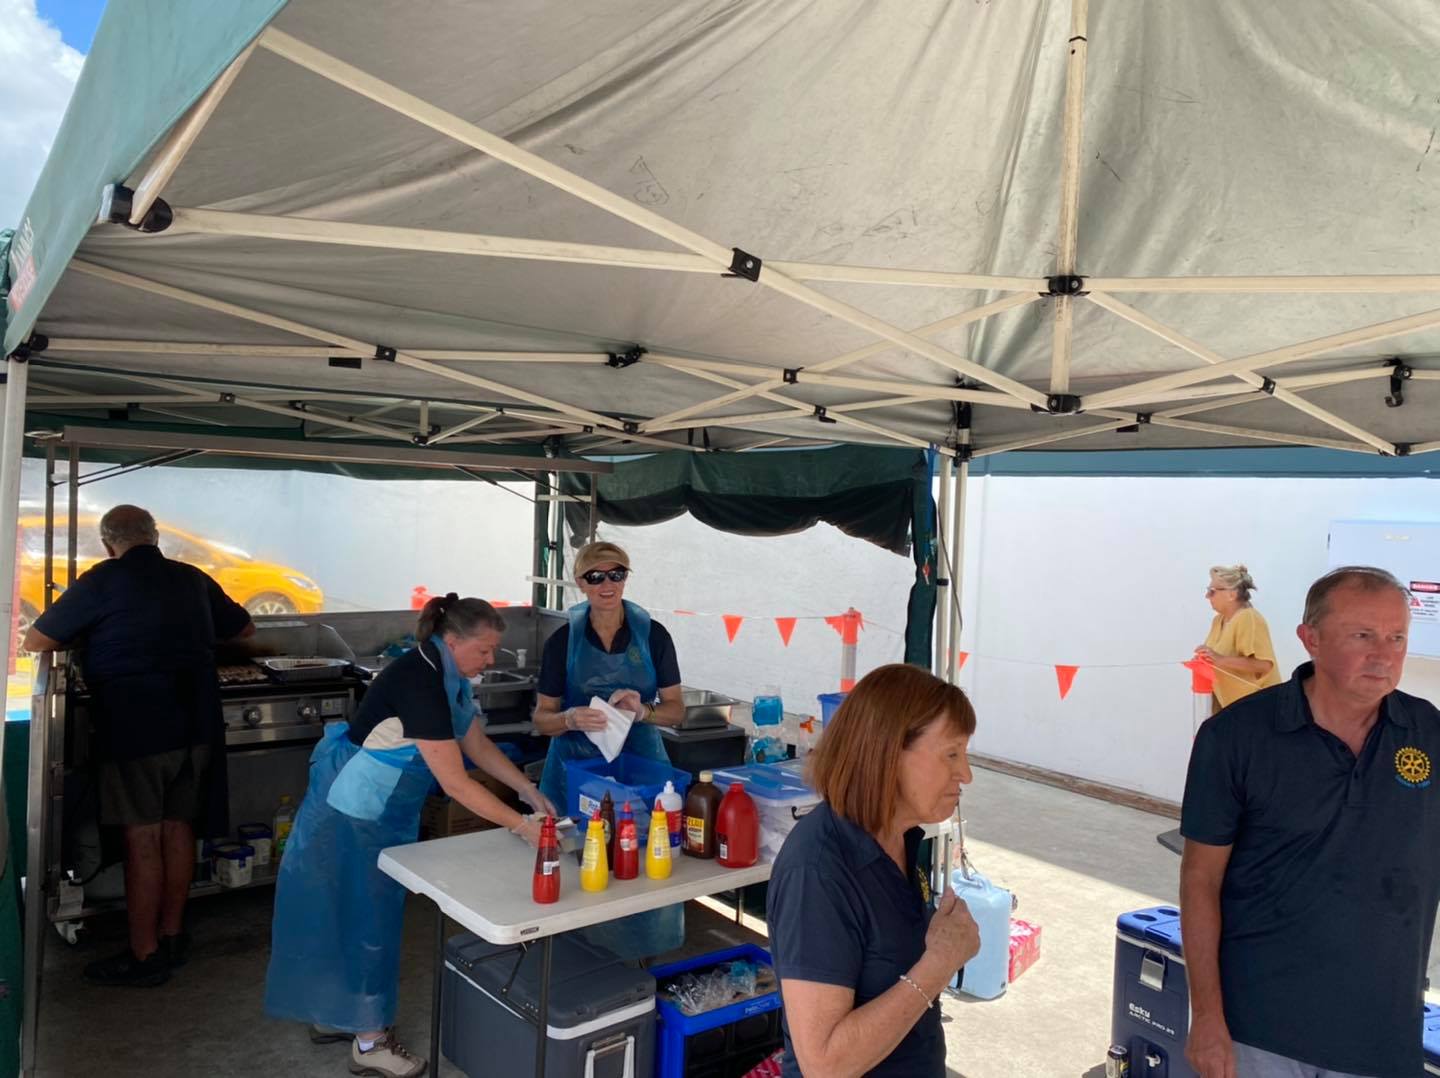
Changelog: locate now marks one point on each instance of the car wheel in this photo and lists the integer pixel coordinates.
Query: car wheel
(270, 603)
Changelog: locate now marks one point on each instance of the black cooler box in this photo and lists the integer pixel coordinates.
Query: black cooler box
(602, 1013)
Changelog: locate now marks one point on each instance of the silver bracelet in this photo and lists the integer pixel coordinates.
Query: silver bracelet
(907, 979)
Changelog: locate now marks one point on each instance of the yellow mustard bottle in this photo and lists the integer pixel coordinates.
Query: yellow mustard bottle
(594, 864)
(657, 846)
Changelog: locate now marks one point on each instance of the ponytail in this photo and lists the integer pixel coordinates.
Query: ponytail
(449, 613)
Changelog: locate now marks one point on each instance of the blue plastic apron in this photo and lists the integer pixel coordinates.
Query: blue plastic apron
(335, 937)
(592, 672)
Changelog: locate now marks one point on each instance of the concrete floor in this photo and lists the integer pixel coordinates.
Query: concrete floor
(1074, 862)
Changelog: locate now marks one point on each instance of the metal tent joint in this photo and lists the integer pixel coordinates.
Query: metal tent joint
(630, 426)
(32, 345)
(384, 353)
(627, 358)
(1065, 284)
(1402, 449)
(744, 265)
(1267, 386)
(1399, 375)
(116, 202)
(1060, 404)
(963, 452)
(227, 398)
(791, 375)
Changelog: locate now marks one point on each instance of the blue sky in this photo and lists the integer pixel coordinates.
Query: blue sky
(75, 19)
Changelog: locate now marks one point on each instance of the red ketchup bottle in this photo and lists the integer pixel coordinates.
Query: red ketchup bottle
(737, 829)
(627, 846)
(545, 884)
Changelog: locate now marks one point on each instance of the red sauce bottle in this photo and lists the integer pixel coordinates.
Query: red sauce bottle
(627, 845)
(545, 884)
(737, 829)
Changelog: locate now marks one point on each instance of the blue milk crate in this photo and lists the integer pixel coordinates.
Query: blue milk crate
(1431, 1038)
(727, 1040)
(636, 779)
(1151, 1014)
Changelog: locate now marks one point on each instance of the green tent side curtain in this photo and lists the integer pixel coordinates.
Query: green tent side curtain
(879, 495)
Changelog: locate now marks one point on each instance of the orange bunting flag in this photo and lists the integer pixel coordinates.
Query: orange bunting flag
(732, 625)
(1202, 676)
(1065, 675)
(787, 629)
(960, 657)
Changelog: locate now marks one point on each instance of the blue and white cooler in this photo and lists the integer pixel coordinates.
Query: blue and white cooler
(1151, 1017)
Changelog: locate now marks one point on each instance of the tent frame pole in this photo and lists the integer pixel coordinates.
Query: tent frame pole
(1069, 194)
(1293, 353)
(725, 259)
(942, 568)
(957, 562)
(389, 237)
(182, 136)
(1286, 396)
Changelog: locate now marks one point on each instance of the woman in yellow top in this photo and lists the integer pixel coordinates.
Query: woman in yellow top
(1239, 641)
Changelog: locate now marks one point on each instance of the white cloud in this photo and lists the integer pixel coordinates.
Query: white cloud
(37, 75)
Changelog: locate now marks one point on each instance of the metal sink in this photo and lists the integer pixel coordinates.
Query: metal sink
(506, 677)
(705, 709)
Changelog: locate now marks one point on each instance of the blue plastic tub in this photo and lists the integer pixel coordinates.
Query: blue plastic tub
(740, 1035)
(627, 778)
(1430, 1038)
(830, 703)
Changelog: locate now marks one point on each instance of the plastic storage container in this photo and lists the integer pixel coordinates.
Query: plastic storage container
(719, 1043)
(257, 836)
(627, 777)
(780, 795)
(1151, 1003)
(1430, 1038)
(601, 1019)
(987, 974)
(234, 864)
(829, 704)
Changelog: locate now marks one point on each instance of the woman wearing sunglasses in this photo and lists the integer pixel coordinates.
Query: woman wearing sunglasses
(1238, 644)
(612, 649)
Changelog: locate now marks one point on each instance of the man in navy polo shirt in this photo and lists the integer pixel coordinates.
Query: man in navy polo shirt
(148, 627)
(1311, 871)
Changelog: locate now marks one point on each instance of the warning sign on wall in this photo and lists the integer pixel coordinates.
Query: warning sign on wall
(1425, 601)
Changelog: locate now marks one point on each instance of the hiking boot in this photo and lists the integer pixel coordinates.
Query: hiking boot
(125, 970)
(328, 1035)
(387, 1059)
(174, 949)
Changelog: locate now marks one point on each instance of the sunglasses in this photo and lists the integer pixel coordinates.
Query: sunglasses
(1211, 591)
(599, 576)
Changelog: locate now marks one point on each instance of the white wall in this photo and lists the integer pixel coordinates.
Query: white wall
(1109, 575)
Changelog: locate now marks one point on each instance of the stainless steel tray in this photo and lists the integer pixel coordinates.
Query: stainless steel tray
(705, 710)
(287, 668)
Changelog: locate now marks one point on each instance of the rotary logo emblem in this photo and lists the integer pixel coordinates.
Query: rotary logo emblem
(633, 655)
(1412, 768)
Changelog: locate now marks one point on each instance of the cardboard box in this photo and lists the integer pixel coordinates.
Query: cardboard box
(443, 816)
(1024, 946)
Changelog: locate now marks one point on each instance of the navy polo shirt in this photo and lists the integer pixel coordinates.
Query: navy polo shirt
(841, 912)
(1329, 897)
(554, 657)
(147, 625)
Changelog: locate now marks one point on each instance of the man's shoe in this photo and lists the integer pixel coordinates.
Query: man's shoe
(124, 969)
(174, 949)
(327, 1035)
(387, 1059)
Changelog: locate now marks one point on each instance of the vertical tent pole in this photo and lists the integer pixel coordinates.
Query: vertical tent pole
(16, 373)
(49, 596)
(942, 568)
(594, 507)
(74, 521)
(1069, 194)
(957, 563)
(539, 540)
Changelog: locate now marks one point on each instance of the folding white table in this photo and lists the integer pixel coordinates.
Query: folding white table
(482, 882)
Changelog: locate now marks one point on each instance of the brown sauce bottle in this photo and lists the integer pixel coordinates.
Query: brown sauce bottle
(702, 807)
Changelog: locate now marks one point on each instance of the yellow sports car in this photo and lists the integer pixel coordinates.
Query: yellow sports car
(262, 587)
